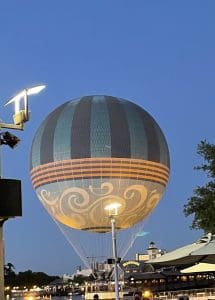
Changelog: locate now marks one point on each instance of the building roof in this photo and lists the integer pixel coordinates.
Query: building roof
(201, 267)
(202, 250)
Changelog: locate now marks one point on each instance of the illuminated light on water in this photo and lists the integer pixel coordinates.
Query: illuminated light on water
(147, 294)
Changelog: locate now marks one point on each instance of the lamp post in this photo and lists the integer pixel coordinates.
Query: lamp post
(10, 189)
(113, 212)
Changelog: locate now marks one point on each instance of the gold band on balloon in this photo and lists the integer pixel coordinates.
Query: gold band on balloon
(108, 167)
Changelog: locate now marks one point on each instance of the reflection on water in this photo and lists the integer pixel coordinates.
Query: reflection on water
(76, 297)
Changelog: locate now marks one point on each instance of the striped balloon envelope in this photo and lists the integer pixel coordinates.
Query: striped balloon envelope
(95, 151)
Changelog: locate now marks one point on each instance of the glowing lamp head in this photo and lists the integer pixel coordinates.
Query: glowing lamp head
(25, 92)
(113, 208)
(35, 89)
(22, 115)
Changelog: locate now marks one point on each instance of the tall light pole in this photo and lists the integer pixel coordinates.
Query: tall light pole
(10, 189)
(112, 209)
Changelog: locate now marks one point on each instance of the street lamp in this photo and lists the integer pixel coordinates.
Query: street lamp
(10, 189)
(112, 209)
(22, 113)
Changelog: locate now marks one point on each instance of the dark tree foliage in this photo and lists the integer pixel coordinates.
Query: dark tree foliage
(28, 279)
(9, 273)
(202, 203)
(9, 269)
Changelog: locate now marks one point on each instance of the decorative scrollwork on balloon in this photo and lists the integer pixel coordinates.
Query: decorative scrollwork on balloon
(50, 203)
(104, 186)
(153, 200)
(137, 194)
(85, 208)
(127, 221)
(74, 200)
(46, 197)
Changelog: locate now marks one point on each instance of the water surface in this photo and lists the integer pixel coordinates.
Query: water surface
(76, 297)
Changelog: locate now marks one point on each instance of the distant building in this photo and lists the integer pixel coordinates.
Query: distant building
(83, 272)
(152, 252)
(131, 266)
(67, 277)
(78, 272)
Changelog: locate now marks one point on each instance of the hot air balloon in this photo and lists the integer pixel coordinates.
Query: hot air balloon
(97, 150)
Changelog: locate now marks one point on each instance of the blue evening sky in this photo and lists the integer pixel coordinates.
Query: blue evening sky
(159, 54)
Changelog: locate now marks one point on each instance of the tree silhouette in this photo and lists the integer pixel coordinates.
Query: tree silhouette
(202, 204)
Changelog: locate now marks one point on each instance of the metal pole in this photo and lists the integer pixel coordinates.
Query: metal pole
(115, 257)
(1, 246)
(1, 261)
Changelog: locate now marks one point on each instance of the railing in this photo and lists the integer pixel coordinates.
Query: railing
(192, 294)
